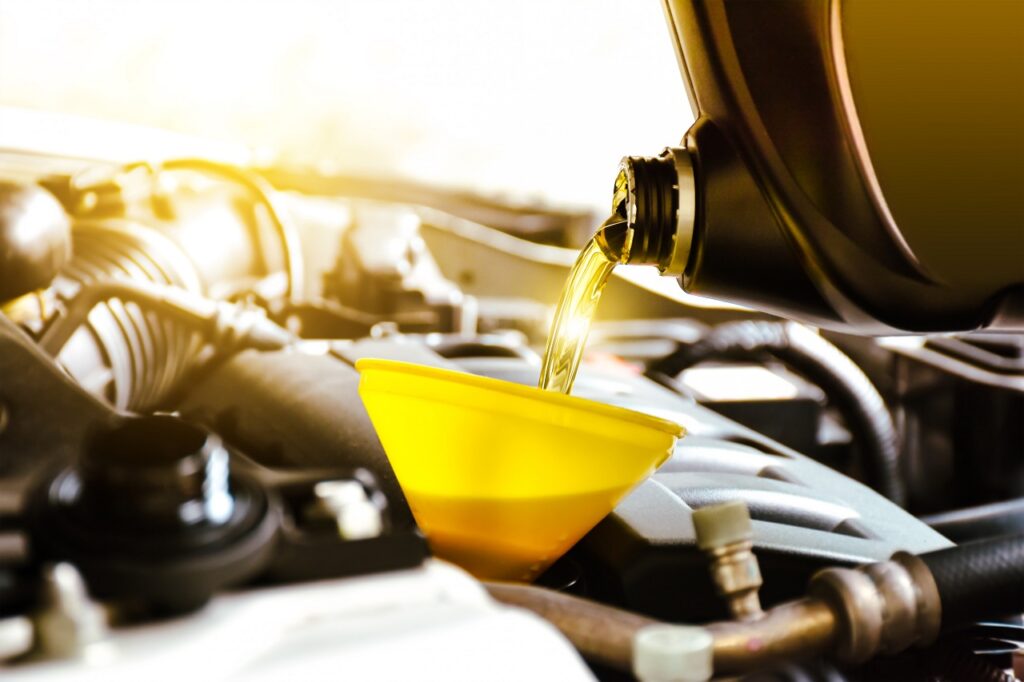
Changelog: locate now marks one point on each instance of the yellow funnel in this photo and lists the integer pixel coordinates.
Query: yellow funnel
(504, 478)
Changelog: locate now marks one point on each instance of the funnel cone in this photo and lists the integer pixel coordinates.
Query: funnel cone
(504, 478)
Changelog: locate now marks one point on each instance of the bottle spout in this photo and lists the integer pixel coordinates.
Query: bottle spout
(653, 212)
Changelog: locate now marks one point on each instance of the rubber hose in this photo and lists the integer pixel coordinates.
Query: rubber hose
(984, 521)
(821, 363)
(144, 355)
(943, 661)
(979, 580)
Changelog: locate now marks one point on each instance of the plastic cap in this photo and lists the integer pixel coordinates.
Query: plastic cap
(357, 516)
(359, 521)
(336, 495)
(722, 524)
(16, 636)
(672, 653)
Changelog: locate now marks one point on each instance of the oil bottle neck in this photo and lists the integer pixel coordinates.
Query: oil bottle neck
(654, 208)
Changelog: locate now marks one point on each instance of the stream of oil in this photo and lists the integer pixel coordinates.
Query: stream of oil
(578, 304)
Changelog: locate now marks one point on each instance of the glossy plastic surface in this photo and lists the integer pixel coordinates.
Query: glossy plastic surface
(504, 478)
(857, 164)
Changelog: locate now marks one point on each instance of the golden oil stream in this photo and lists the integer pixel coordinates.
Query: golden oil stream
(578, 304)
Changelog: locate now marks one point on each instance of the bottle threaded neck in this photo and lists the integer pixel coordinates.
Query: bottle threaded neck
(654, 204)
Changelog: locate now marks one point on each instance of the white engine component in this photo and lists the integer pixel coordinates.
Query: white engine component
(430, 623)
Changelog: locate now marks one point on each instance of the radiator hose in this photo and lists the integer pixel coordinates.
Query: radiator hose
(979, 580)
(821, 363)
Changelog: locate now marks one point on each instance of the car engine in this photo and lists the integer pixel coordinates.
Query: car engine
(209, 316)
(309, 406)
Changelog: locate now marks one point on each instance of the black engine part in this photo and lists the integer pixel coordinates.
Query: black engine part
(979, 579)
(288, 410)
(151, 513)
(44, 415)
(821, 362)
(35, 238)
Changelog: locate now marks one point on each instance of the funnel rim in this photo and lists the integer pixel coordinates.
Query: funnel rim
(521, 390)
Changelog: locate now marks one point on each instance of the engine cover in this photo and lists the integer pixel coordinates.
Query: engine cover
(806, 516)
(643, 555)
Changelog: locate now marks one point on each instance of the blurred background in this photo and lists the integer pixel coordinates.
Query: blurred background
(524, 100)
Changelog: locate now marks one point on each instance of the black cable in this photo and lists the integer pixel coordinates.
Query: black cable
(821, 363)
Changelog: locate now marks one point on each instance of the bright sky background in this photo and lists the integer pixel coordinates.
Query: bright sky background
(536, 98)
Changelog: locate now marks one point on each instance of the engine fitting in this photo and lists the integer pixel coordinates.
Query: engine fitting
(724, 533)
(849, 615)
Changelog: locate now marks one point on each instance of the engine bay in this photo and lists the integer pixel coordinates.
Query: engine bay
(210, 317)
